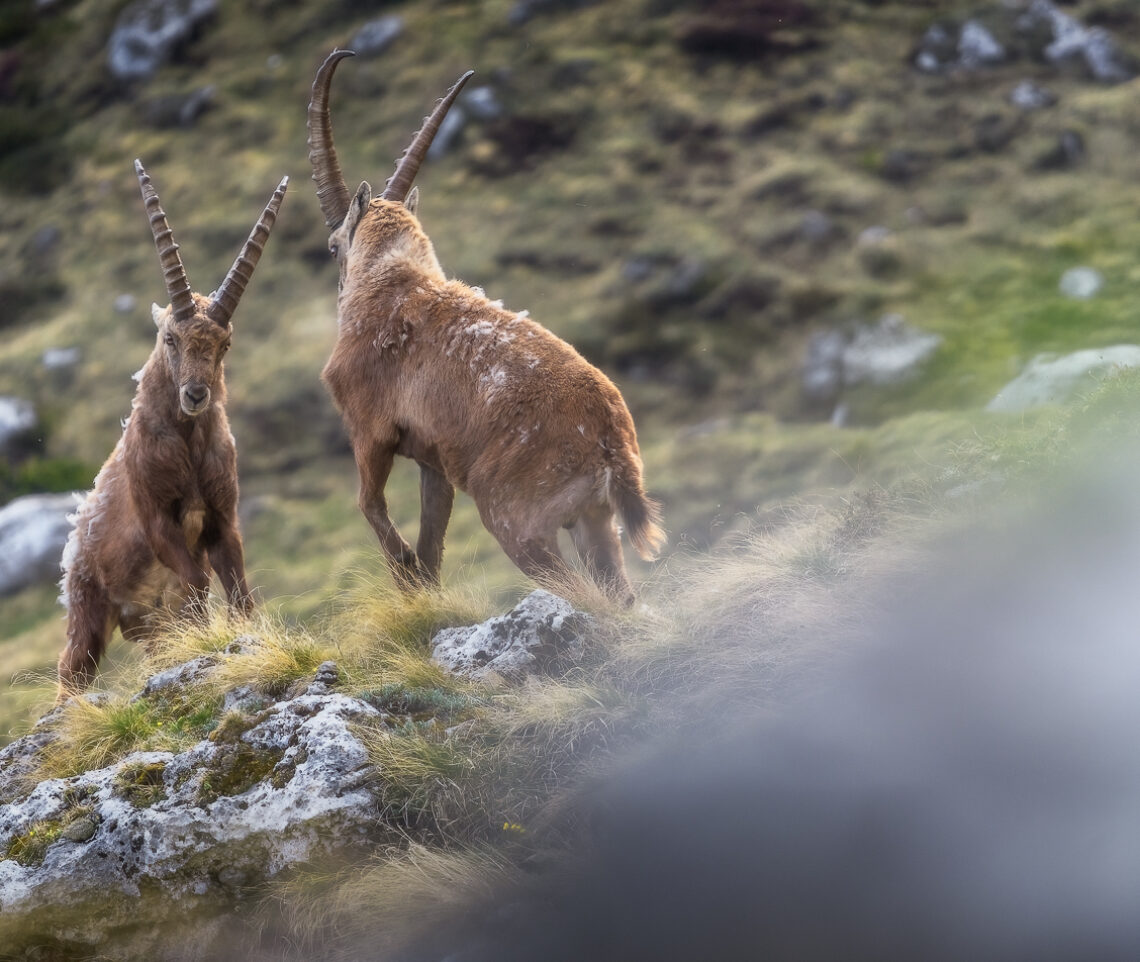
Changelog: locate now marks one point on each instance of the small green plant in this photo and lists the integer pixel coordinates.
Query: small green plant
(141, 783)
(31, 847)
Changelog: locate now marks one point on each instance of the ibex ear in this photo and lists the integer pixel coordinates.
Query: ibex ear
(357, 208)
(412, 201)
(156, 314)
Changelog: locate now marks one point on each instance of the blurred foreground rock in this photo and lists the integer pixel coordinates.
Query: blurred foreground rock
(33, 531)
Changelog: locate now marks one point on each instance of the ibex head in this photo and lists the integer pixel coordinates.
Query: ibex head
(343, 211)
(194, 331)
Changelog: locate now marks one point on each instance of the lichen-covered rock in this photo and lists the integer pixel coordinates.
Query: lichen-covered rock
(192, 830)
(540, 632)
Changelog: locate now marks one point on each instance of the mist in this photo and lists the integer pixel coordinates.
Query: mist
(964, 785)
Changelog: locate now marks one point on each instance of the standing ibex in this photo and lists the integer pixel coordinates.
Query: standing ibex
(483, 399)
(164, 508)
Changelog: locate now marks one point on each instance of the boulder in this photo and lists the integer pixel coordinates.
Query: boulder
(60, 358)
(1093, 47)
(148, 31)
(378, 35)
(541, 632)
(1028, 95)
(968, 47)
(33, 531)
(1081, 283)
(17, 422)
(886, 352)
(1050, 379)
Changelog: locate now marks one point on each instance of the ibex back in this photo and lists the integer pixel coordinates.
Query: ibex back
(163, 512)
(482, 398)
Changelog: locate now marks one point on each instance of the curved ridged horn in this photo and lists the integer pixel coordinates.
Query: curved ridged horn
(225, 299)
(332, 192)
(401, 181)
(177, 284)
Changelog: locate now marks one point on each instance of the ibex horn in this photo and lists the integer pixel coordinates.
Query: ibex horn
(225, 299)
(332, 192)
(409, 164)
(177, 284)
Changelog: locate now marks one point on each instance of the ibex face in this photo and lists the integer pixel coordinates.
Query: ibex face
(194, 349)
(194, 331)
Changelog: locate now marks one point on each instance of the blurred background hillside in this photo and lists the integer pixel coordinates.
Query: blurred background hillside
(811, 240)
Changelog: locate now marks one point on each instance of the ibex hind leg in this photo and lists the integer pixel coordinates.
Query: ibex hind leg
(436, 499)
(538, 558)
(596, 539)
(374, 464)
(90, 622)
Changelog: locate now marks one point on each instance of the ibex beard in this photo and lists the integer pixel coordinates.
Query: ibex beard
(162, 516)
(483, 399)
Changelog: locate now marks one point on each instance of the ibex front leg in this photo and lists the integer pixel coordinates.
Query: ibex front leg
(436, 498)
(227, 557)
(374, 463)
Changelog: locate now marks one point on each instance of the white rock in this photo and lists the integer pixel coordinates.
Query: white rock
(1081, 282)
(539, 631)
(33, 531)
(887, 352)
(1049, 379)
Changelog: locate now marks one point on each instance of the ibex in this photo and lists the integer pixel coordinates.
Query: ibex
(482, 398)
(163, 511)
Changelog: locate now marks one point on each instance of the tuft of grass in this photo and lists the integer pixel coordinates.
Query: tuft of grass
(30, 848)
(424, 773)
(385, 635)
(386, 901)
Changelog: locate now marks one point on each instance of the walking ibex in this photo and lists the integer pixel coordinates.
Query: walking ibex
(482, 398)
(163, 511)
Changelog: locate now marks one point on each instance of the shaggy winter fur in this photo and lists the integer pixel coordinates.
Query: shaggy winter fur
(163, 513)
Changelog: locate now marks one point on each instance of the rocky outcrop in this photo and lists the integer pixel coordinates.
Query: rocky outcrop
(265, 791)
(277, 781)
(33, 531)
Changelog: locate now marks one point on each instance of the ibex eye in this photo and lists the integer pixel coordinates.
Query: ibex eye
(334, 249)
(169, 338)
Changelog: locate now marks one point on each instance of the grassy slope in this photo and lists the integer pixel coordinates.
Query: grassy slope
(672, 157)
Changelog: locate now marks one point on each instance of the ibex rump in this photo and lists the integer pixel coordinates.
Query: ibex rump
(163, 511)
(482, 398)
